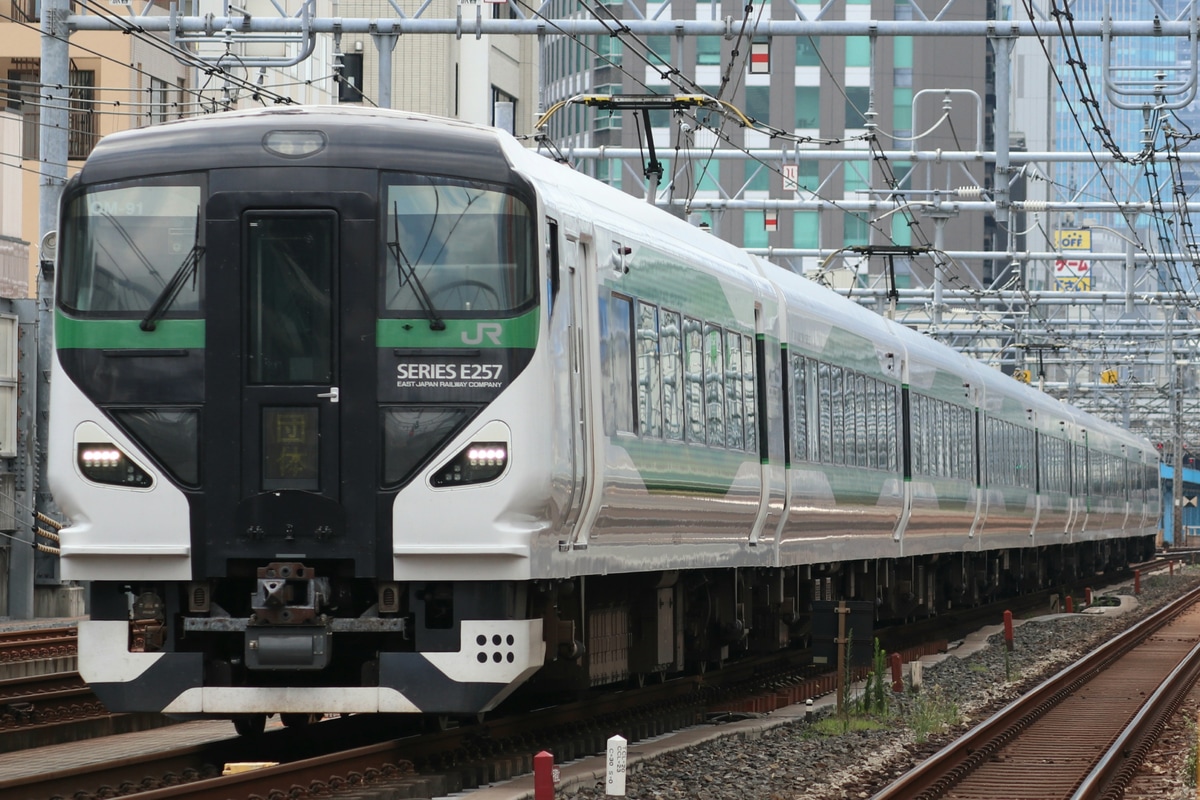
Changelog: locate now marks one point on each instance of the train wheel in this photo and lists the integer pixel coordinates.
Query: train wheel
(250, 724)
(299, 720)
(437, 723)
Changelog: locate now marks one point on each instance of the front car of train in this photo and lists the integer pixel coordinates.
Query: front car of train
(287, 407)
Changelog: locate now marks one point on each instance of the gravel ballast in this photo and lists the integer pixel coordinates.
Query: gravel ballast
(815, 760)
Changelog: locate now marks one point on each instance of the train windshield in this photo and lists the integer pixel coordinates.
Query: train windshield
(456, 248)
(123, 245)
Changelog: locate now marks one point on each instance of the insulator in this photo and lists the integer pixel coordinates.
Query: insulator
(45, 534)
(45, 548)
(969, 191)
(1036, 205)
(51, 522)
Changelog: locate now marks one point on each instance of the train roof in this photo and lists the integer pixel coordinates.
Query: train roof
(371, 138)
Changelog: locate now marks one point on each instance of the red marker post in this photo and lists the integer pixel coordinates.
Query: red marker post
(543, 776)
(1008, 630)
(1070, 604)
(897, 676)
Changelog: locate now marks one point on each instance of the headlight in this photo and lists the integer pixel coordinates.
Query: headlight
(478, 462)
(104, 462)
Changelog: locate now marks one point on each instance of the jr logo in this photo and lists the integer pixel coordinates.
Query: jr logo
(491, 330)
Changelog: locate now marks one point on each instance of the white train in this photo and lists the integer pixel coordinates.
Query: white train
(356, 410)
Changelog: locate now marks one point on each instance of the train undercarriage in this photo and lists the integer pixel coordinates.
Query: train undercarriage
(460, 649)
(635, 627)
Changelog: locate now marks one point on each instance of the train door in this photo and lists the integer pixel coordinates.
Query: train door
(757, 359)
(578, 287)
(291, 394)
(291, 449)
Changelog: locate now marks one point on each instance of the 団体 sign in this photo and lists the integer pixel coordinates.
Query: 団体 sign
(1073, 239)
(1072, 275)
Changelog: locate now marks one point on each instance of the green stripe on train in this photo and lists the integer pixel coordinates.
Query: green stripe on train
(519, 331)
(126, 334)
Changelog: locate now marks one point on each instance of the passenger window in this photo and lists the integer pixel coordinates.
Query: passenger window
(749, 393)
(615, 348)
(733, 390)
(714, 383)
(649, 385)
(672, 375)
(861, 438)
(799, 408)
(693, 341)
(824, 401)
(837, 407)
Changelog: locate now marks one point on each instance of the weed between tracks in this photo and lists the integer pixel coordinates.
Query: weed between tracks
(924, 712)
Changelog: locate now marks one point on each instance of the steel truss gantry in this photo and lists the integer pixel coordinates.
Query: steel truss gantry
(1013, 322)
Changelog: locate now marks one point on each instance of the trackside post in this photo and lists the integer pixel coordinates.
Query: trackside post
(614, 783)
(543, 776)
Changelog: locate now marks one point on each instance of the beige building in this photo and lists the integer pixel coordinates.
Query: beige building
(120, 81)
(117, 81)
(492, 80)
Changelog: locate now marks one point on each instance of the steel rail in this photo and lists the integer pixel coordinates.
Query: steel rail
(24, 645)
(938, 775)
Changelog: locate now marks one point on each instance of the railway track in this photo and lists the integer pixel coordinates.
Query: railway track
(1080, 734)
(37, 644)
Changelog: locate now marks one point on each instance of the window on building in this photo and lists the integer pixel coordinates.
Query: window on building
(23, 90)
(808, 107)
(858, 51)
(902, 110)
(808, 175)
(160, 102)
(856, 176)
(758, 103)
(806, 229)
(708, 49)
(504, 11)
(708, 176)
(608, 51)
(858, 100)
(504, 110)
(609, 171)
(854, 230)
(807, 54)
(755, 233)
(758, 176)
(659, 49)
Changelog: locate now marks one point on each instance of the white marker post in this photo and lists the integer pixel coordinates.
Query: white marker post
(614, 785)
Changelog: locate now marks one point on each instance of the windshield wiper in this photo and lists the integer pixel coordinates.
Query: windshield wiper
(409, 273)
(187, 269)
